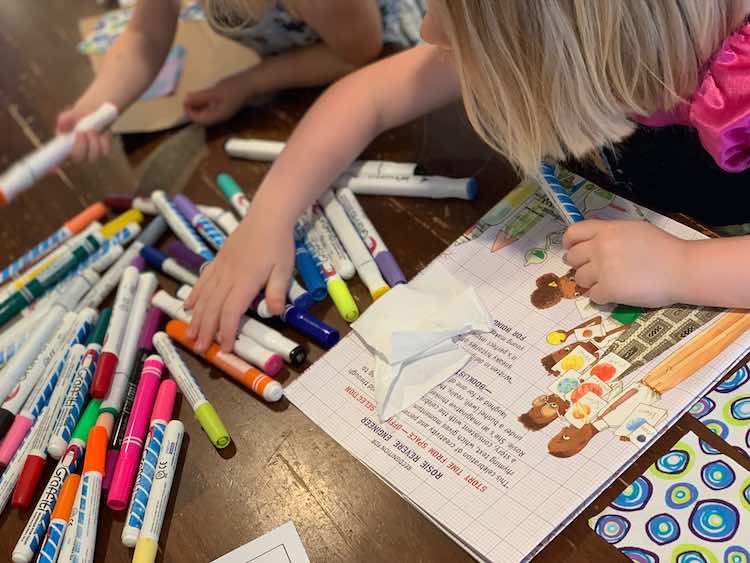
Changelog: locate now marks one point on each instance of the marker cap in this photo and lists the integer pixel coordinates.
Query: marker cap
(64, 505)
(304, 322)
(145, 550)
(105, 370)
(151, 234)
(121, 221)
(96, 450)
(118, 202)
(309, 271)
(6, 421)
(87, 421)
(389, 268)
(185, 206)
(150, 327)
(185, 256)
(109, 469)
(343, 300)
(86, 217)
(21, 425)
(228, 186)
(212, 425)
(139, 262)
(100, 329)
(153, 256)
(28, 481)
(164, 403)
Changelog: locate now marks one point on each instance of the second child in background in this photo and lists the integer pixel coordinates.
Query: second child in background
(302, 43)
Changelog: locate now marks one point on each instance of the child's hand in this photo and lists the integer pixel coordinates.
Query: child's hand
(89, 145)
(217, 103)
(258, 254)
(628, 262)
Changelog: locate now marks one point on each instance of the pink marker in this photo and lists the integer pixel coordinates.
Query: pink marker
(132, 444)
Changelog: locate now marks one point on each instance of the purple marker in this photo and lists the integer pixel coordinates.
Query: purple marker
(205, 227)
(379, 251)
(139, 262)
(185, 256)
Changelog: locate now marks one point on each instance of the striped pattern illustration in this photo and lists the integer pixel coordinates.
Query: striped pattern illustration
(560, 198)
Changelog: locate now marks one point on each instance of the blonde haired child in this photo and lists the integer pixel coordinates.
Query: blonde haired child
(301, 42)
(542, 78)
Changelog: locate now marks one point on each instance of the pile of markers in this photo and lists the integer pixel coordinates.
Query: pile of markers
(89, 387)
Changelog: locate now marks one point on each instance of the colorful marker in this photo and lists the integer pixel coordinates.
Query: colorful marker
(37, 524)
(267, 151)
(71, 227)
(78, 393)
(121, 202)
(145, 349)
(13, 469)
(112, 403)
(205, 227)
(42, 332)
(162, 263)
(308, 268)
(130, 452)
(186, 257)
(37, 456)
(559, 197)
(47, 279)
(317, 221)
(121, 221)
(369, 235)
(148, 541)
(233, 192)
(24, 173)
(337, 287)
(433, 187)
(56, 530)
(306, 324)
(366, 267)
(255, 330)
(180, 225)
(105, 369)
(252, 352)
(88, 500)
(204, 411)
(243, 373)
(299, 296)
(40, 395)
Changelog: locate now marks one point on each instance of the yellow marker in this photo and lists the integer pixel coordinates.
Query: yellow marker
(121, 221)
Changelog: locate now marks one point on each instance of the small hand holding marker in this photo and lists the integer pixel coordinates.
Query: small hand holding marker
(259, 253)
(90, 144)
(629, 262)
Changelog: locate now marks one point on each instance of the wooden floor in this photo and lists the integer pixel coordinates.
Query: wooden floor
(281, 466)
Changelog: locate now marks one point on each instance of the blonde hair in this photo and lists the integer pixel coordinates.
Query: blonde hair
(231, 16)
(558, 78)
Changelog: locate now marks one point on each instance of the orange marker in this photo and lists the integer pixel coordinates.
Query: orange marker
(63, 508)
(236, 368)
(80, 540)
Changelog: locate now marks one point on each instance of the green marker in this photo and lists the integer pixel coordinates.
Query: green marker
(233, 192)
(204, 411)
(46, 280)
(86, 422)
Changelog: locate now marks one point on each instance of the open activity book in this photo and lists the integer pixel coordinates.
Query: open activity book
(556, 401)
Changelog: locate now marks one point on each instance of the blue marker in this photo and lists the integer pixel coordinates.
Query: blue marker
(308, 268)
(559, 197)
(303, 322)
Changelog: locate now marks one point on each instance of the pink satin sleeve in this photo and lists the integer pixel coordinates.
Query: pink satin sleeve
(720, 109)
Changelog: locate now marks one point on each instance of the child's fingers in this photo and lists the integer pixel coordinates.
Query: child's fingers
(105, 143)
(580, 232)
(92, 142)
(209, 309)
(598, 294)
(234, 307)
(199, 299)
(578, 255)
(277, 287)
(79, 148)
(192, 299)
(586, 276)
(66, 121)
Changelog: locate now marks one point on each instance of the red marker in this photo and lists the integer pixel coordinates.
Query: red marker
(121, 310)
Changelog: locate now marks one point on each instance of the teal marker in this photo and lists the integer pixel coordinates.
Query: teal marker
(48, 279)
(233, 192)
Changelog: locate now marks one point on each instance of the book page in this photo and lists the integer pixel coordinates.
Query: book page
(557, 400)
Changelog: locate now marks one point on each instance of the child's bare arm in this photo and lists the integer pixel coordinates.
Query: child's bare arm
(332, 134)
(128, 68)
